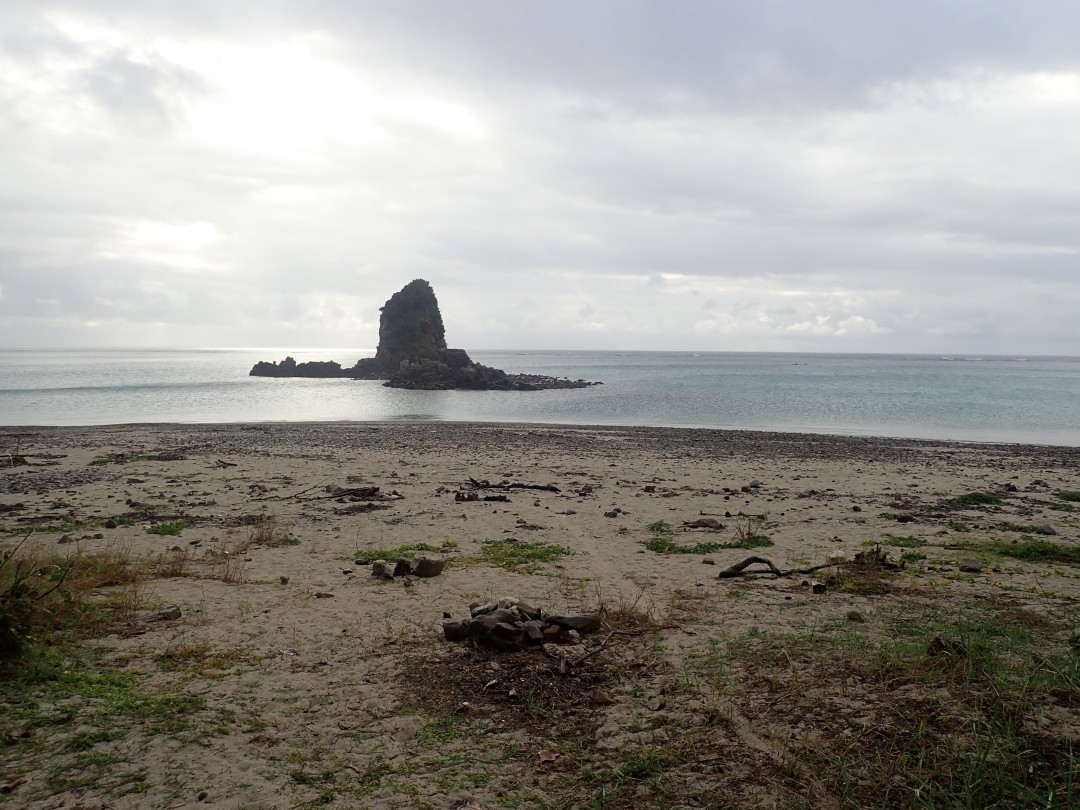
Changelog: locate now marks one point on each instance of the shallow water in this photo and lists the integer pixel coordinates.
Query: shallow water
(1005, 399)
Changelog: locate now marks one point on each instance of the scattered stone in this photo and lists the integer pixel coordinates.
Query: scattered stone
(456, 629)
(363, 561)
(67, 538)
(168, 614)
(970, 566)
(602, 698)
(1044, 529)
(110, 524)
(403, 567)
(428, 565)
(284, 579)
(817, 587)
(708, 561)
(508, 624)
(611, 514)
(856, 616)
(323, 595)
(581, 622)
(856, 508)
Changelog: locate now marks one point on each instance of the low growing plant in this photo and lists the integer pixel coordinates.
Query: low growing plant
(169, 528)
(977, 499)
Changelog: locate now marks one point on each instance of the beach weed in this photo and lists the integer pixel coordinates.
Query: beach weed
(747, 536)
(904, 541)
(169, 528)
(407, 550)
(519, 554)
(50, 596)
(1038, 550)
(267, 532)
(977, 499)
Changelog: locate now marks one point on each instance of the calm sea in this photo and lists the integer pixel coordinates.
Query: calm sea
(999, 399)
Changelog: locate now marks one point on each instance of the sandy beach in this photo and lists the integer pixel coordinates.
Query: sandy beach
(306, 681)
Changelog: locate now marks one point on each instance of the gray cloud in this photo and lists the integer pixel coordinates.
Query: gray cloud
(831, 176)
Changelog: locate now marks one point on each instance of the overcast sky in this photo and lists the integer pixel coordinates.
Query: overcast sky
(806, 176)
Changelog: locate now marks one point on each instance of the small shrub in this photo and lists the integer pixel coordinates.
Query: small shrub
(911, 557)
(959, 526)
(47, 595)
(1069, 495)
(1029, 548)
(746, 537)
(1061, 507)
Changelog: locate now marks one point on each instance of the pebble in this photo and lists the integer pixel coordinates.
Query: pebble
(855, 616)
(971, 566)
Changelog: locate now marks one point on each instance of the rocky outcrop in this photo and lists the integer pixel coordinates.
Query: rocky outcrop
(412, 353)
(411, 327)
(290, 368)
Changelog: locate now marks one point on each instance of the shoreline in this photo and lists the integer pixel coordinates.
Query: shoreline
(851, 433)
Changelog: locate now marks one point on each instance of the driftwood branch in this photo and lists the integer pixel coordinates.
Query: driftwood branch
(738, 569)
(286, 497)
(508, 485)
(564, 666)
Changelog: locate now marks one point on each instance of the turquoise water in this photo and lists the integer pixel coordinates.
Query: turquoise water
(1004, 399)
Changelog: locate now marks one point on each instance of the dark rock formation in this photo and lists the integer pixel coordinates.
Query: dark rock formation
(290, 368)
(411, 327)
(412, 353)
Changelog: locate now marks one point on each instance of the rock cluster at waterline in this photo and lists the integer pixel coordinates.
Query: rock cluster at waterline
(412, 353)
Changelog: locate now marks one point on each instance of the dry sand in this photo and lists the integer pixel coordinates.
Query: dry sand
(355, 700)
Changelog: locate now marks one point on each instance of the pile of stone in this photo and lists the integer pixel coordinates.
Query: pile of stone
(425, 565)
(509, 624)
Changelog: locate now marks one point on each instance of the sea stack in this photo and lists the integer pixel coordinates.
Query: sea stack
(412, 353)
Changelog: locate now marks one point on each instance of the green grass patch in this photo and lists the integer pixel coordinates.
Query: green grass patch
(75, 705)
(904, 541)
(407, 550)
(668, 546)
(911, 557)
(440, 731)
(663, 542)
(967, 732)
(514, 554)
(1033, 550)
(959, 526)
(977, 499)
(1062, 507)
(169, 528)
(1069, 495)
